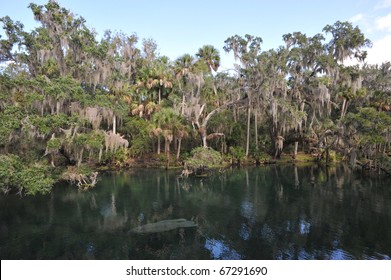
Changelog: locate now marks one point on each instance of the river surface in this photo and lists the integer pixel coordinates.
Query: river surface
(272, 212)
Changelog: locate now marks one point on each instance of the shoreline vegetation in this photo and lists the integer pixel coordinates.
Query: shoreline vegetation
(72, 106)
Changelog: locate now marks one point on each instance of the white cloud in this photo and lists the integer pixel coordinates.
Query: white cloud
(378, 24)
(380, 51)
(383, 4)
(357, 18)
(384, 23)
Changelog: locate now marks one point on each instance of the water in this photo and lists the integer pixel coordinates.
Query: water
(273, 212)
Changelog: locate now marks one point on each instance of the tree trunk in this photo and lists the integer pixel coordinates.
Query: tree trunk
(343, 109)
(167, 148)
(183, 104)
(52, 160)
(204, 143)
(167, 161)
(80, 157)
(256, 129)
(352, 158)
(279, 145)
(327, 156)
(100, 153)
(167, 145)
(248, 130)
(158, 145)
(160, 95)
(58, 107)
(175, 144)
(179, 148)
(295, 151)
(202, 132)
(114, 125)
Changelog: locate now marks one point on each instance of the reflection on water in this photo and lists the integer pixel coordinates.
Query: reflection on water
(274, 212)
(220, 250)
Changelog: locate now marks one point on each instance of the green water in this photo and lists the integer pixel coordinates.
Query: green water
(273, 212)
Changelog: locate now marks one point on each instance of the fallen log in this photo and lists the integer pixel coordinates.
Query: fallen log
(165, 225)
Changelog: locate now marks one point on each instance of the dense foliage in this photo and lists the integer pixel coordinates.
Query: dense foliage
(69, 99)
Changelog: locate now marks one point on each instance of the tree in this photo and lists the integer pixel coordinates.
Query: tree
(311, 94)
(377, 81)
(347, 41)
(247, 50)
(156, 77)
(210, 55)
(197, 107)
(367, 133)
(169, 124)
(64, 94)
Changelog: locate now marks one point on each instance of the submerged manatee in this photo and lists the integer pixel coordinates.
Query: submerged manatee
(164, 225)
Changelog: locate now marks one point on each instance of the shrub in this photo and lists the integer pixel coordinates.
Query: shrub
(27, 179)
(36, 179)
(237, 153)
(204, 157)
(138, 131)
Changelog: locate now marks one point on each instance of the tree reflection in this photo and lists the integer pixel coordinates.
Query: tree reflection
(271, 212)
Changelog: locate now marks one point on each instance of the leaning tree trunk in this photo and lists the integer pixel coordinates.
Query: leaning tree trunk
(344, 107)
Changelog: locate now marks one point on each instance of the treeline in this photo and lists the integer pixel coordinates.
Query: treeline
(70, 100)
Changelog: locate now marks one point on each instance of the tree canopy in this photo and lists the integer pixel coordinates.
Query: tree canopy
(71, 100)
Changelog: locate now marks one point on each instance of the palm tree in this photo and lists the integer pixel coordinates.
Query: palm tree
(163, 76)
(182, 67)
(211, 56)
(169, 124)
(156, 77)
(181, 131)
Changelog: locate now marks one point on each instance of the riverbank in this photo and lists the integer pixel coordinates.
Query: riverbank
(160, 161)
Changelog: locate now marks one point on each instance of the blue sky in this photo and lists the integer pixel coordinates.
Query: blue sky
(180, 26)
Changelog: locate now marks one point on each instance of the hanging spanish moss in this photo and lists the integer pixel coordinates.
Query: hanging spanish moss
(69, 97)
